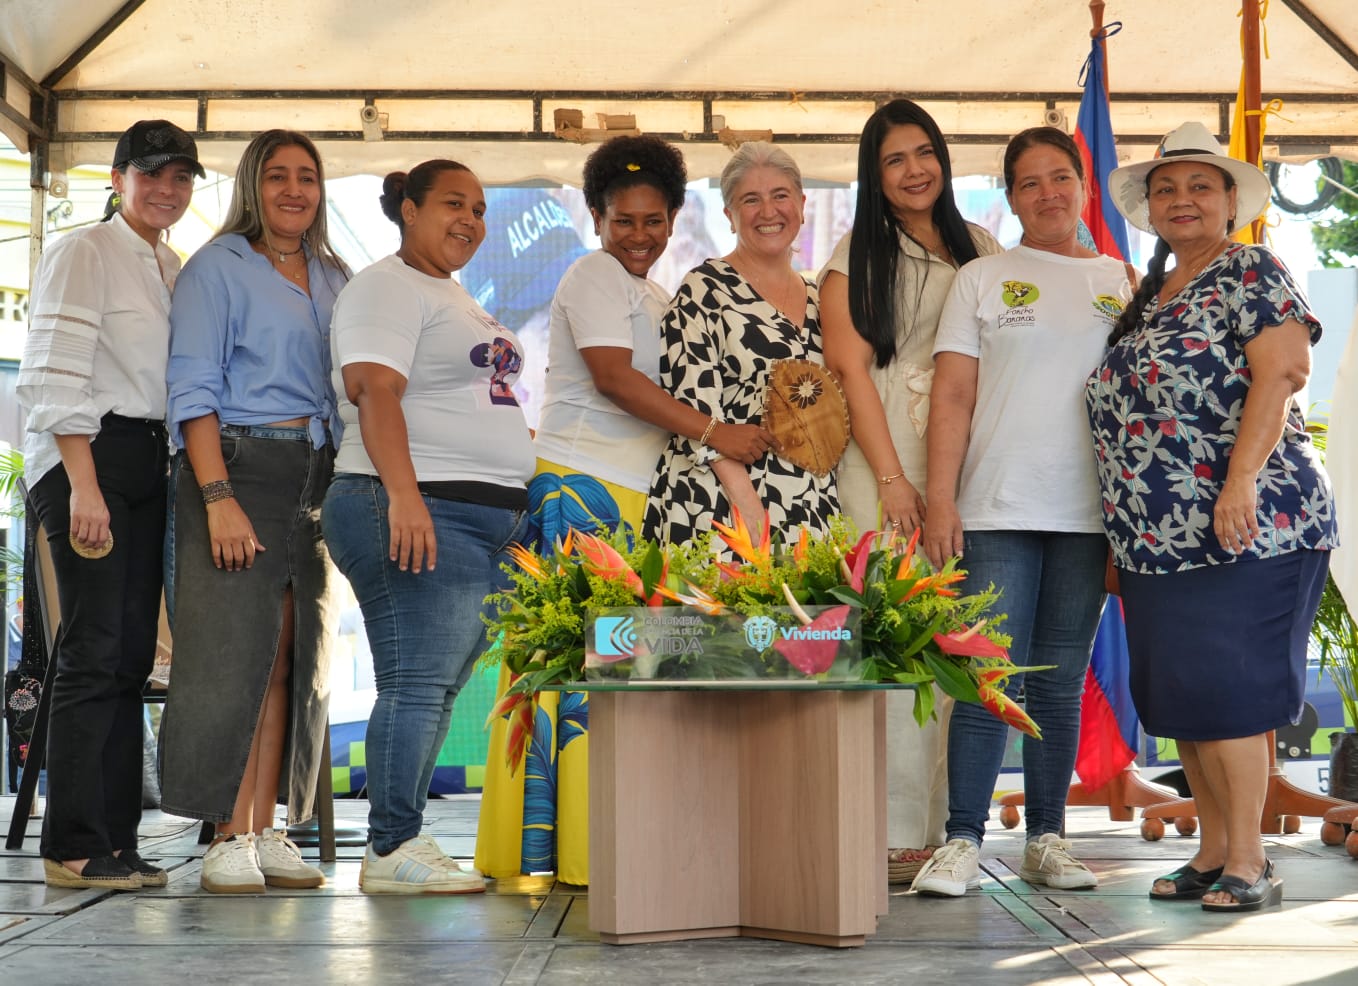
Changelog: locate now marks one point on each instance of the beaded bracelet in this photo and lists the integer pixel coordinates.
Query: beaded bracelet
(218, 489)
(707, 432)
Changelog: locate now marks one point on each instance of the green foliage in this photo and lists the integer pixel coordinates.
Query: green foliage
(1336, 637)
(1337, 239)
(11, 471)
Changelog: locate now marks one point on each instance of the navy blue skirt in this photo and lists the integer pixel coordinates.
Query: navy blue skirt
(1219, 652)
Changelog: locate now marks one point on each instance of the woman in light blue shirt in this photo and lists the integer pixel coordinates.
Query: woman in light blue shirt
(252, 410)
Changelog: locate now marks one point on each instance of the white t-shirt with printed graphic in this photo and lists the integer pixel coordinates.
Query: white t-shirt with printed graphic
(1038, 323)
(598, 303)
(463, 420)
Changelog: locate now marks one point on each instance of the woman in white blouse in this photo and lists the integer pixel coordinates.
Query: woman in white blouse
(93, 383)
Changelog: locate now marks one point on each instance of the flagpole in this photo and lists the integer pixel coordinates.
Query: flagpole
(1096, 14)
(1249, 44)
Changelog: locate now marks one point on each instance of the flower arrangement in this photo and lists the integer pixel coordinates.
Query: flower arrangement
(914, 627)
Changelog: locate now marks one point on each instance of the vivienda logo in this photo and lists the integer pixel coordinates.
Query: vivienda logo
(615, 636)
(1016, 293)
(759, 632)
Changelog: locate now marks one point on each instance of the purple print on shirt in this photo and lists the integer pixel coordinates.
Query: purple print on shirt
(504, 362)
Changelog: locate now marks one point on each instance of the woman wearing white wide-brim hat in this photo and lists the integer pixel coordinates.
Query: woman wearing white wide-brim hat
(1219, 513)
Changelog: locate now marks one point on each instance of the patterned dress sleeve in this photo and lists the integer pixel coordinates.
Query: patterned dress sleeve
(56, 375)
(690, 362)
(1264, 295)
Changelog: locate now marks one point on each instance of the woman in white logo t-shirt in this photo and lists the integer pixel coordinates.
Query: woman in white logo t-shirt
(429, 491)
(1012, 488)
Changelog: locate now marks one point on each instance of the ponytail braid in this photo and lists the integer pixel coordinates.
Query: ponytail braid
(1150, 284)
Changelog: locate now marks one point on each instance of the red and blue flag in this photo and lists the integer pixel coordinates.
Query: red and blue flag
(1109, 728)
(1094, 137)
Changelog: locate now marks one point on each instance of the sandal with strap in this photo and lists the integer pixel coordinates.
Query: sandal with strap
(1189, 884)
(1265, 891)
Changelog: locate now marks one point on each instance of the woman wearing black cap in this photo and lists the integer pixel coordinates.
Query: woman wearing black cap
(93, 383)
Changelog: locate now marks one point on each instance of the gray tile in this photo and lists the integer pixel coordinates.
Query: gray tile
(21, 867)
(38, 898)
(1240, 966)
(740, 961)
(217, 920)
(337, 964)
(975, 918)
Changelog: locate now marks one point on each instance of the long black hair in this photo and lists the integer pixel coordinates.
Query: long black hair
(874, 244)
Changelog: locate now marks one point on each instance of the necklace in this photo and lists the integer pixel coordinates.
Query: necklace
(284, 255)
(280, 263)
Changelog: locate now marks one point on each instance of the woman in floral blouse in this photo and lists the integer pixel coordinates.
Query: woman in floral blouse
(1215, 503)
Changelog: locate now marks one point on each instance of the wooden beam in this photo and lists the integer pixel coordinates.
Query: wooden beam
(90, 43)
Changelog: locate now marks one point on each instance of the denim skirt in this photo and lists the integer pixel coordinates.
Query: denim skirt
(1219, 652)
(227, 626)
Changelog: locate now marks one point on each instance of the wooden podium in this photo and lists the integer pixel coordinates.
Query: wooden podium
(718, 810)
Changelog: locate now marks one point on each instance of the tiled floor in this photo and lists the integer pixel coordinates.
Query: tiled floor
(532, 930)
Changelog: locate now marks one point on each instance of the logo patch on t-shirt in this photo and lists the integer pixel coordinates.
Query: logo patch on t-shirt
(1109, 306)
(1016, 293)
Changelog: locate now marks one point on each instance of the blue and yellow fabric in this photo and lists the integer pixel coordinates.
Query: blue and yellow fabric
(537, 821)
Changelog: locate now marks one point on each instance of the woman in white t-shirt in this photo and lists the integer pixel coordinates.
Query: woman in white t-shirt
(1012, 488)
(429, 491)
(605, 421)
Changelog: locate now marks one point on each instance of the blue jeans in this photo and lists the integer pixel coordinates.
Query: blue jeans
(1052, 591)
(425, 631)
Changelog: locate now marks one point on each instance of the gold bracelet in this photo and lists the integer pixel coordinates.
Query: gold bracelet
(707, 432)
(890, 479)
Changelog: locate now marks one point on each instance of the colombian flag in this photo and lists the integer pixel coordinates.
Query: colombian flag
(1108, 724)
(1094, 136)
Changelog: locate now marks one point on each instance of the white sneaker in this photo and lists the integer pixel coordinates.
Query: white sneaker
(952, 871)
(1047, 862)
(282, 865)
(416, 866)
(230, 866)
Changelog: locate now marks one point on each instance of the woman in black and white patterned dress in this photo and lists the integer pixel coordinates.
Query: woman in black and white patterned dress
(731, 319)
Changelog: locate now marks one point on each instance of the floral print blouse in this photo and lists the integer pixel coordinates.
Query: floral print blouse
(1165, 407)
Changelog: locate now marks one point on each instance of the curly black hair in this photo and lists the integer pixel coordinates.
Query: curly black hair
(625, 162)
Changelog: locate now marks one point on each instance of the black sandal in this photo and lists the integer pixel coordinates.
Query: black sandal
(1265, 891)
(151, 876)
(100, 873)
(1189, 884)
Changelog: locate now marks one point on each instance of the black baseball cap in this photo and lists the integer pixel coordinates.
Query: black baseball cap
(149, 145)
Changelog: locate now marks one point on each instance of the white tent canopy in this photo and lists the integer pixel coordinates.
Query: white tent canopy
(481, 81)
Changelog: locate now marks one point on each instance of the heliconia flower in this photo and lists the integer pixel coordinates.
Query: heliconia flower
(529, 561)
(938, 582)
(860, 550)
(908, 558)
(602, 559)
(1004, 708)
(969, 643)
(800, 549)
(738, 539)
(520, 735)
(813, 656)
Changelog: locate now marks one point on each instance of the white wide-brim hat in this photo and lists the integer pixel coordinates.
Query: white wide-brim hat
(1189, 142)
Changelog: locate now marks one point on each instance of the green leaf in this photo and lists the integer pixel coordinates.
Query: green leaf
(952, 677)
(652, 565)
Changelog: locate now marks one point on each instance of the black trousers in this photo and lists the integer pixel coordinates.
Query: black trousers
(110, 609)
